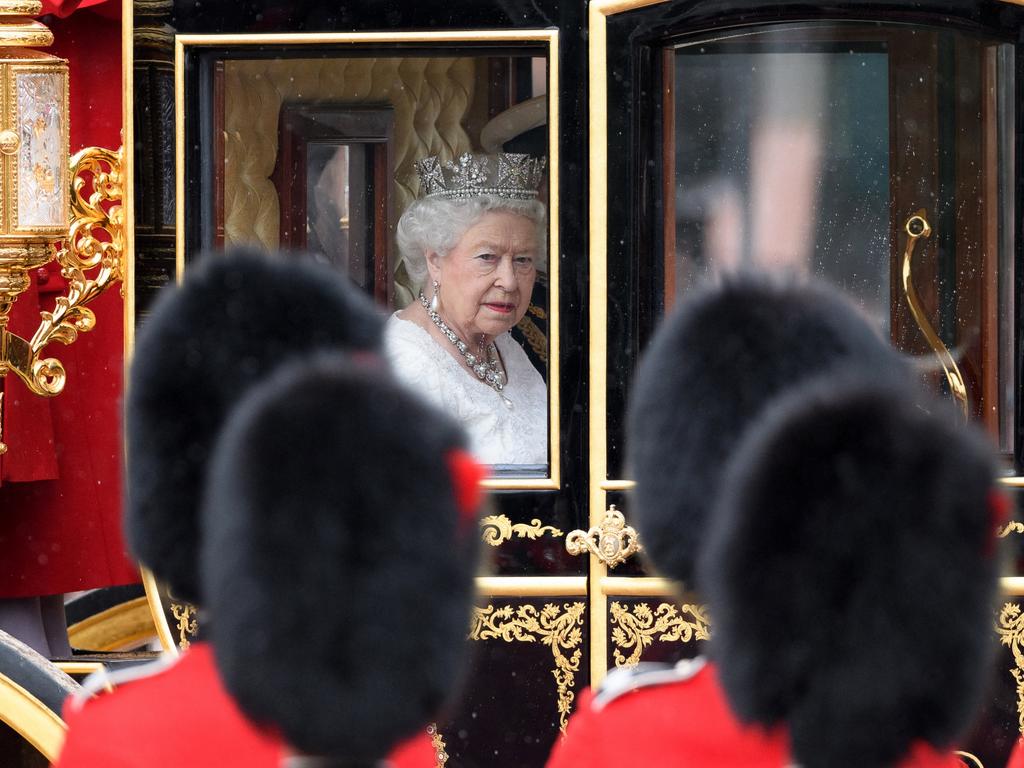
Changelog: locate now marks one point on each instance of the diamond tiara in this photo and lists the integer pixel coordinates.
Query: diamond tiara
(512, 175)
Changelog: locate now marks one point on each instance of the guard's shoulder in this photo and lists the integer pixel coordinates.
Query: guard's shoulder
(105, 680)
(625, 680)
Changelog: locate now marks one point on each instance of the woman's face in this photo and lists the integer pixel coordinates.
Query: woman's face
(487, 279)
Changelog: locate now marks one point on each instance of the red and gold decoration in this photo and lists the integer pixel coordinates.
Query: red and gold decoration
(38, 202)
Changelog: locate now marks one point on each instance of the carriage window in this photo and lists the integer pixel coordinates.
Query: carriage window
(809, 148)
(420, 176)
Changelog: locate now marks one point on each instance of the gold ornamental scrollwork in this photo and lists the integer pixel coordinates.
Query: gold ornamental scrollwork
(497, 529)
(611, 540)
(188, 624)
(1011, 634)
(916, 227)
(558, 627)
(636, 629)
(95, 241)
(1011, 527)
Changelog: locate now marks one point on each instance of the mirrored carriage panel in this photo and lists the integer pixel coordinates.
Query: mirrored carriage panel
(878, 156)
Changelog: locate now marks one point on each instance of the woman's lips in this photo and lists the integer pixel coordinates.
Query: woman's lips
(501, 308)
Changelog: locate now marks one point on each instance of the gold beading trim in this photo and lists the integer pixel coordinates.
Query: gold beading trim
(1011, 634)
(557, 627)
(437, 742)
(497, 529)
(639, 626)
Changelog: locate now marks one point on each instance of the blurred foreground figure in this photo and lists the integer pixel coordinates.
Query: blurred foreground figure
(853, 526)
(712, 370)
(234, 320)
(339, 560)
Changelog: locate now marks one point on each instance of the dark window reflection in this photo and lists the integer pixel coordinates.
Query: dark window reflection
(806, 148)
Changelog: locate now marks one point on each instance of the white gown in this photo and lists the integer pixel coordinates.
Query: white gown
(510, 427)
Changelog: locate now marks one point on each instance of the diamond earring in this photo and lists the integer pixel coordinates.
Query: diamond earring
(435, 300)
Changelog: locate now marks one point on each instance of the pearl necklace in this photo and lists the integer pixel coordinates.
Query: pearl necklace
(485, 366)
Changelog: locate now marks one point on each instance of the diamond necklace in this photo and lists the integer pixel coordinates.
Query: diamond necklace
(485, 366)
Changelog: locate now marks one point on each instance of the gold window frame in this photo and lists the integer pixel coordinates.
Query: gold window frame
(549, 36)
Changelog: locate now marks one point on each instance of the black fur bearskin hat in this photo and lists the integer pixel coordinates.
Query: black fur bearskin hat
(851, 565)
(339, 555)
(233, 319)
(712, 366)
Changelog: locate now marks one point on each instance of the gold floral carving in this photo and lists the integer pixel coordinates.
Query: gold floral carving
(498, 529)
(188, 625)
(611, 540)
(1011, 527)
(558, 627)
(1011, 634)
(637, 628)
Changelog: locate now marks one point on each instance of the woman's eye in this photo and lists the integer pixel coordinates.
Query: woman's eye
(524, 261)
(488, 257)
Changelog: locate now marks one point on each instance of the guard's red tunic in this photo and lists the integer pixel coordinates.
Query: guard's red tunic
(182, 715)
(685, 721)
(1017, 756)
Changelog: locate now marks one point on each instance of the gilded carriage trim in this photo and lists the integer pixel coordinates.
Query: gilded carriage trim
(188, 624)
(611, 540)
(534, 336)
(969, 759)
(437, 742)
(640, 626)
(531, 586)
(558, 627)
(28, 716)
(497, 529)
(1011, 634)
(1011, 527)
(916, 227)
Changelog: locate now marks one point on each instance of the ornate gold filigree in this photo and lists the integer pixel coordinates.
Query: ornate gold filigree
(1011, 527)
(916, 227)
(1011, 634)
(437, 742)
(188, 625)
(612, 541)
(498, 529)
(556, 627)
(667, 623)
(85, 249)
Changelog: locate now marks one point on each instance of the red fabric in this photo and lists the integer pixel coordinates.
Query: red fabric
(417, 752)
(180, 716)
(1017, 756)
(466, 473)
(684, 723)
(184, 716)
(62, 532)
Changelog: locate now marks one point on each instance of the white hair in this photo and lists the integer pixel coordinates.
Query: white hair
(437, 224)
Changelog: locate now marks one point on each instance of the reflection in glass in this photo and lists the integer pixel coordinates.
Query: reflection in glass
(805, 148)
(320, 153)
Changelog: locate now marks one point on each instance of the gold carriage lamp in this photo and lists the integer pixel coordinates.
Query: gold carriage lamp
(35, 205)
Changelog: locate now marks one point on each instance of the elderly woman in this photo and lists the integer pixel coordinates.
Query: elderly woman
(473, 242)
